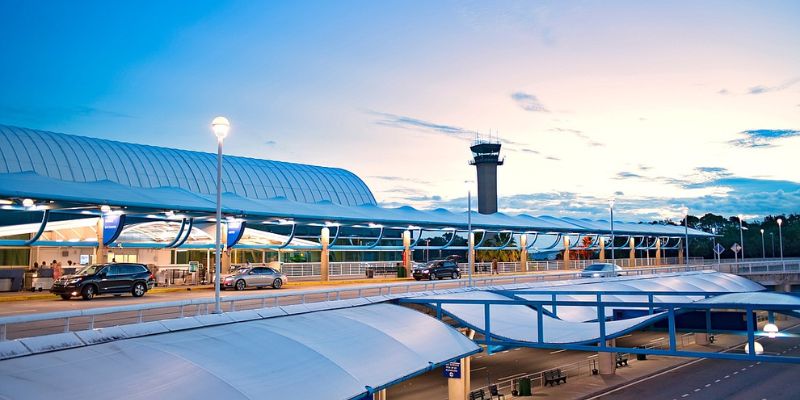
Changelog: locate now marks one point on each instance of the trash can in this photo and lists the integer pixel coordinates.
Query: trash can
(5, 284)
(401, 271)
(524, 387)
(27, 280)
(370, 273)
(640, 357)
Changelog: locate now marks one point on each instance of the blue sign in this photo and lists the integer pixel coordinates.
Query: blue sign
(452, 370)
(719, 249)
(112, 227)
(235, 232)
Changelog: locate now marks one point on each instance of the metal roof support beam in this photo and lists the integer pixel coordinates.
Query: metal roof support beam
(377, 240)
(186, 237)
(289, 239)
(555, 242)
(535, 238)
(577, 242)
(179, 236)
(38, 234)
(335, 237)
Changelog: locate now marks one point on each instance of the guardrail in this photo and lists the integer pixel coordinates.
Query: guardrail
(19, 326)
(759, 267)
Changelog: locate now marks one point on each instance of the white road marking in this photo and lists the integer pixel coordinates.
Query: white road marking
(735, 372)
(557, 351)
(708, 384)
(697, 390)
(743, 369)
(752, 365)
(727, 376)
(685, 395)
(716, 381)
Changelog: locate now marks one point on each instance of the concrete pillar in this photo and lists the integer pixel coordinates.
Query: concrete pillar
(381, 395)
(632, 253)
(407, 254)
(566, 253)
(225, 262)
(523, 252)
(602, 249)
(324, 257)
(658, 251)
(680, 251)
(101, 250)
(607, 362)
(457, 389)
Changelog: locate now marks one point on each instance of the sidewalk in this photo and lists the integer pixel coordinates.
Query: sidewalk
(587, 386)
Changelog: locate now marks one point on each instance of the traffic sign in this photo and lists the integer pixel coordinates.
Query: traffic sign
(719, 249)
(452, 370)
(736, 247)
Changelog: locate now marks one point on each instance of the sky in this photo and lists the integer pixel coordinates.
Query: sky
(655, 104)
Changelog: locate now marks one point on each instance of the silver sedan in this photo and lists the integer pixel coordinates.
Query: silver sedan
(257, 277)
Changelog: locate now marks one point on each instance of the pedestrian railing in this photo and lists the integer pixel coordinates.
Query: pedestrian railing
(19, 326)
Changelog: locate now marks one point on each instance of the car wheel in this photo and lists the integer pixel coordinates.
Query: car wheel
(455, 275)
(65, 297)
(432, 276)
(417, 278)
(138, 289)
(88, 292)
(277, 283)
(240, 285)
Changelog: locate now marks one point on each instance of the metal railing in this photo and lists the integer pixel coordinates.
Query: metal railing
(20, 326)
(759, 267)
(335, 269)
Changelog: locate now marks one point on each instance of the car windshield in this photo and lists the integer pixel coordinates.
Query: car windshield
(90, 270)
(242, 270)
(597, 267)
(433, 264)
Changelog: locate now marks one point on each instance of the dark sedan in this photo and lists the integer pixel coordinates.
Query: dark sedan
(438, 269)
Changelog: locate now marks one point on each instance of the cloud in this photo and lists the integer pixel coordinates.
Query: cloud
(400, 179)
(528, 102)
(578, 134)
(270, 143)
(26, 112)
(724, 92)
(404, 122)
(762, 137)
(626, 175)
(761, 89)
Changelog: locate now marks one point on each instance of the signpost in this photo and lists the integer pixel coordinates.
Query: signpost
(452, 370)
(736, 249)
(719, 249)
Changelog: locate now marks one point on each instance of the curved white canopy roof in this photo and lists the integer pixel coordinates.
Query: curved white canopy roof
(334, 354)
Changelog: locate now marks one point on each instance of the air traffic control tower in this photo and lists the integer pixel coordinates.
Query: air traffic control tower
(486, 158)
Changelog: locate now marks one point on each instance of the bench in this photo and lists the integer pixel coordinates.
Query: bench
(477, 395)
(622, 359)
(554, 376)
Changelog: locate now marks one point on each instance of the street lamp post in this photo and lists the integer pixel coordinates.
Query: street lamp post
(741, 236)
(780, 240)
(763, 249)
(686, 230)
(611, 210)
(427, 249)
(221, 126)
(714, 247)
(470, 248)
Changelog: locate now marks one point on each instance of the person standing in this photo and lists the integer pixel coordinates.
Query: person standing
(57, 271)
(494, 267)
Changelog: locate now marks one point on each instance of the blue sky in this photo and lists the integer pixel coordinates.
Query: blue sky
(656, 104)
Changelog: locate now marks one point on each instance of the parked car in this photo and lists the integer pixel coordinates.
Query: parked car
(257, 277)
(602, 270)
(117, 279)
(438, 269)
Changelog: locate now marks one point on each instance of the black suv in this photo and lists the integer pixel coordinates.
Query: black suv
(437, 269)
(135, 279)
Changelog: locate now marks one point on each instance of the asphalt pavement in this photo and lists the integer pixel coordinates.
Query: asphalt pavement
(722, 379)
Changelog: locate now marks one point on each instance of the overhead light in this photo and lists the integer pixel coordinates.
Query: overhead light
(86, 212)
(105, 208)
(152, 216)
(170, 214)
(771, 330)
(27, 203)
(758, 347)
(285, 222)
(329, 223)
(371, 225)
(6, 202)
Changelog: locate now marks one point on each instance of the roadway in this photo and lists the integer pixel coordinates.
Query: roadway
(508, 364)
(722, 379)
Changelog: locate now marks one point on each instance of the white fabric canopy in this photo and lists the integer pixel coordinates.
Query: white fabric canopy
(335, 354)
